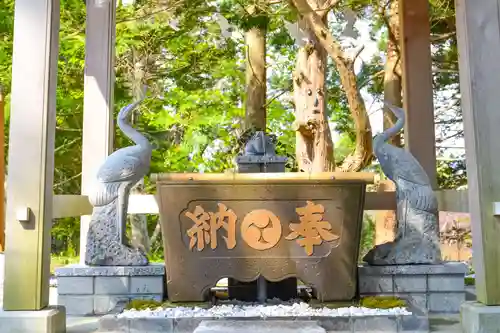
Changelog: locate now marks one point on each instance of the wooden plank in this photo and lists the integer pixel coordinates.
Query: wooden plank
(98, 129)
(2, 171)
(419, 133)
(71, 206)
(367, 177)
(31, 154)
(448, 201)
(478, 31)
(79, 205)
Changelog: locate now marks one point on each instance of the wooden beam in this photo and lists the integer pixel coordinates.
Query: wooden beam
(478, 32)
(98, 129)
(77, 205)
(31, 154)
(419, 133)
(71, 206)
(2, 171)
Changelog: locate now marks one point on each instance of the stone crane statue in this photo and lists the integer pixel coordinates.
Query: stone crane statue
(119, 173)
(417, 237)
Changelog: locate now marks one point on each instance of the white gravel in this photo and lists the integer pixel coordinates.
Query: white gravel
(262, 311)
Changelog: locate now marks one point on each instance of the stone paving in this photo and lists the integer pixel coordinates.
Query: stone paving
(438, 323)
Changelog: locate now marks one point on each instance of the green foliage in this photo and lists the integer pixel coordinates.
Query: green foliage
(382, 302)
(143, 304)
(470, 281)
(367, 236)
(451, 174)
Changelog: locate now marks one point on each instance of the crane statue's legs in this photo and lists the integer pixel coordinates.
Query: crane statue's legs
(122, 208)
(106, 236)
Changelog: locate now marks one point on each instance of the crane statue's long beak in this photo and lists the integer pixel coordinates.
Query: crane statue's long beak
(126, 109)
(398, 112)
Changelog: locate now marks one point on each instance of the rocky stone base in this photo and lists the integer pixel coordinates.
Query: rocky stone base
(433, 288)
(387, 324)
(480, 318)
(85, 290)
(48, 320)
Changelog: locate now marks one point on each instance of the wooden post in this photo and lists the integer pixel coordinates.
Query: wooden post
(2, 170)
(419, 133)
(478, 27)
(98, 129)
(31, 154)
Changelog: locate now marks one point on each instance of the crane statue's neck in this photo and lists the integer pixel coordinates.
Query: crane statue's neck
(398, 126)
(137, 137)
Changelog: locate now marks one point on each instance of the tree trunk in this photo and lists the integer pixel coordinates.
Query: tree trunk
(255, 105)
(314, 145)
(392, 70)
(385, 221)
(363, 153)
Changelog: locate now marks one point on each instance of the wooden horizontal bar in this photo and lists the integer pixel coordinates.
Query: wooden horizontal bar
(70, 206)
(366, 177)
(78, 205)
(143, 204)
(448, 201)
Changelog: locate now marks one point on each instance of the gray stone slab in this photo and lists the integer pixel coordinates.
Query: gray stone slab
(82, 324)
(375, 284)
(75, 285)
(445, 323)
(77, 305)
(146, 285)
(260, 326)
(410, 283)
(446, 302)
(49, 320)
(104, 304)
(445, 268)
(337, 324)
(187, 325)
(413, 324)
(110, 323)
(84, 270)
(142, 325)
(367, 324)
(447, 283)
(111, 285)
(479, 318)
(470, 293)
(375, 324)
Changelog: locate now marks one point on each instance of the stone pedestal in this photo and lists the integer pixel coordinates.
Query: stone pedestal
(433, 288)
(49, 320)
(2, 274)
(480, 318)
(85, 290)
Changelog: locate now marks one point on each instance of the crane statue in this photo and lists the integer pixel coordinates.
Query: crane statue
(121, 170)
(417, 236)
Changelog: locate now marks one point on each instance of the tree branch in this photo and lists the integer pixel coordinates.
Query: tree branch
(327, 6)
(358, 52)
(442, 37)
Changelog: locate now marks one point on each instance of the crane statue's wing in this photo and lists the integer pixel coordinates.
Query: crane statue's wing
(120, 168)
